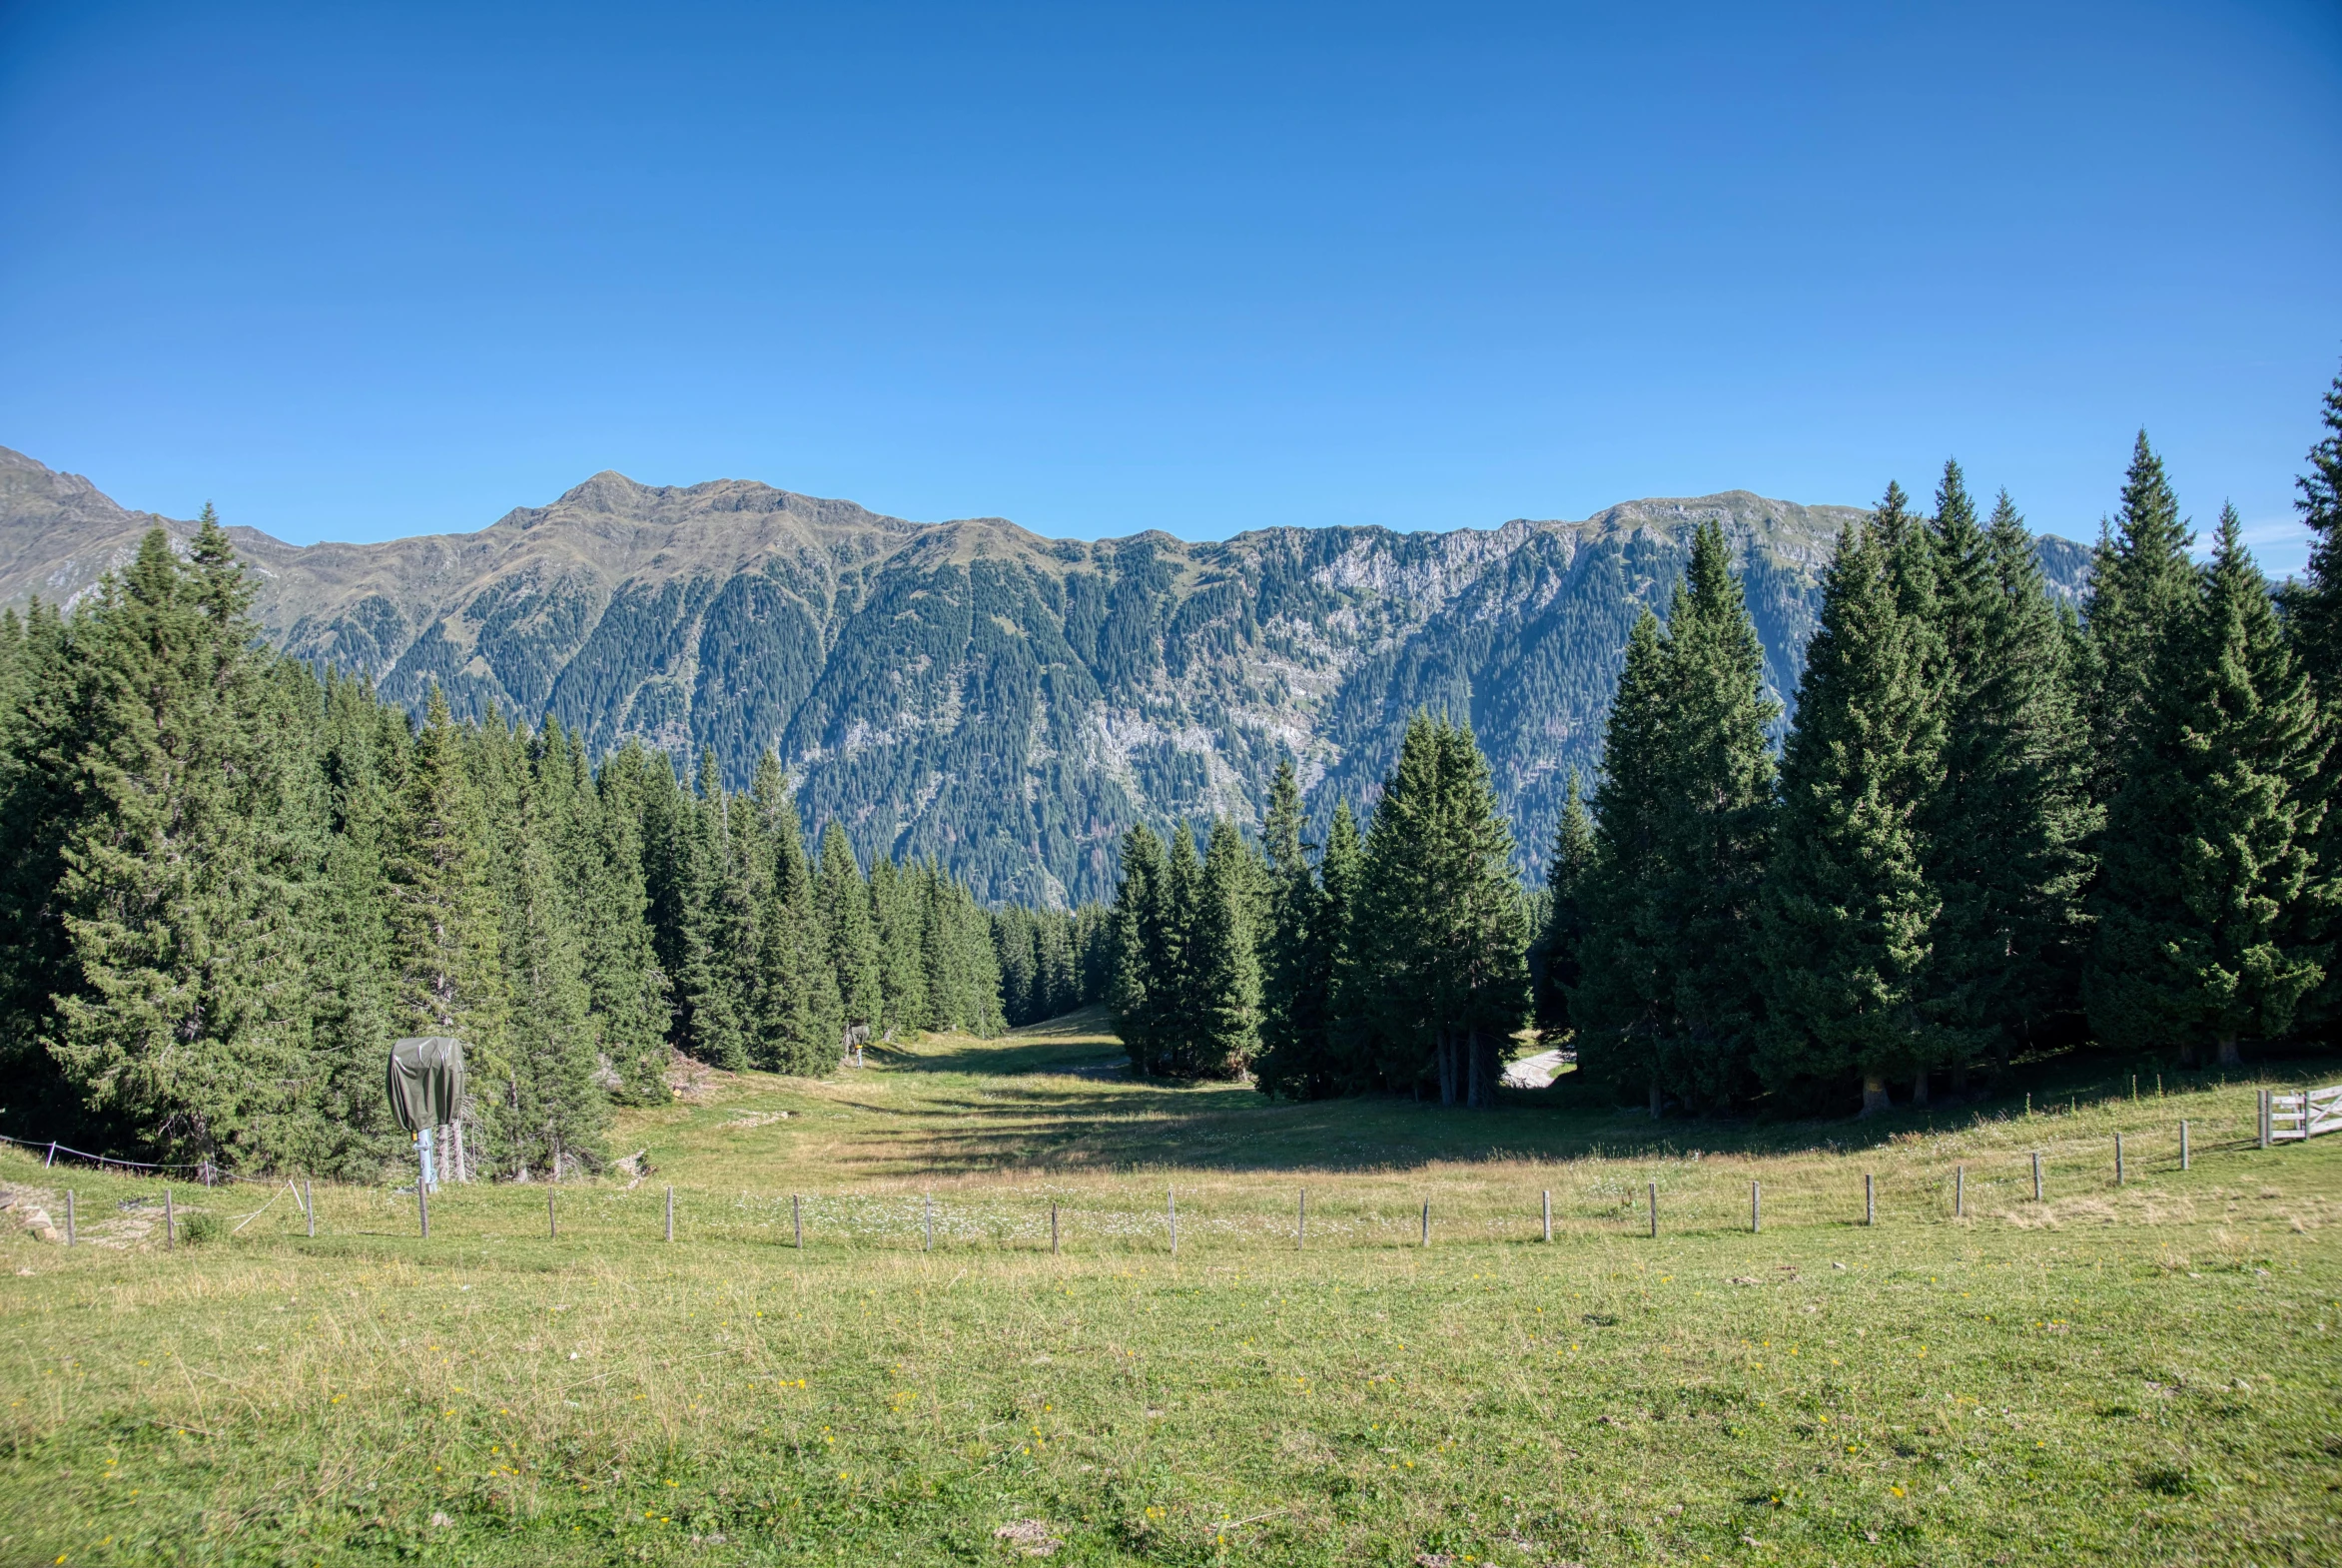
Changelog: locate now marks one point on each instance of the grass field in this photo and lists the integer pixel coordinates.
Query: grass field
(2147, 1373)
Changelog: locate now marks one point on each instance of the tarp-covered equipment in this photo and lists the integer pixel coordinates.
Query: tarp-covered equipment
(426, 1081)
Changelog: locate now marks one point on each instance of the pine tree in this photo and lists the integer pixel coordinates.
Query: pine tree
(844, 900)
(1140, 928)
(2006, 828)
(896, 914)
(1621, 1010)
(181, 892)
(551, 1112)
(1483, 974)
(800, 1021)
(1847, 912)
(2141, 582)
(1557, 961)
(1295, 961)
(628, 990)
(2207, 844)
(1714, 822)
(2314, 615)
(1224, 996)
(1341, 874)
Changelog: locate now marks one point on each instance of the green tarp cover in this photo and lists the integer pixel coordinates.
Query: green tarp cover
(426, 1081)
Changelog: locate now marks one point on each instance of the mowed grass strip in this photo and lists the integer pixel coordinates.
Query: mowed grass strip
(2138, 1374)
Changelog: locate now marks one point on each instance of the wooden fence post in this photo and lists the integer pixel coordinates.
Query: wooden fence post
(170, 1225)
(1301, 1221)
(1959, 1192)
(1549, 1214)
(1654, 1211)
(671, 1213)
(1053, 1227)
(1426, 1225)
(2183, 1144)
(552, 1221)
(309, 1204)
(69, 1217)
(2119, 1172)
(1869, 1199)
(797, 1218)
(1170, 1205)
(929, 1197)
(2267, 1116)
(1756, 1210)
(2036, 1176)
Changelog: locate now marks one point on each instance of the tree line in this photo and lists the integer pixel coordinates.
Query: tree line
(1999, 823)
(228, 880)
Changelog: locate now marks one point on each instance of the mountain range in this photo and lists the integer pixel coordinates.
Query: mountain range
(971, 690)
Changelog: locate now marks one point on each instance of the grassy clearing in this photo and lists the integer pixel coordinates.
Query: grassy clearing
(2146, 1373)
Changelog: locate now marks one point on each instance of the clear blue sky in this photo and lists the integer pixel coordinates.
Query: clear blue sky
(354, 271)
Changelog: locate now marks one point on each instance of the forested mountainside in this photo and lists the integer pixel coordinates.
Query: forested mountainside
(969, 690)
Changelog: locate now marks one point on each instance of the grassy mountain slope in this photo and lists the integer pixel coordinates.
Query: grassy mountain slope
(971, 690)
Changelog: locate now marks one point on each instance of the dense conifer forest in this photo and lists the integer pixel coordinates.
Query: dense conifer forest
(228, 882)
(1996, 824)
(1993, 822)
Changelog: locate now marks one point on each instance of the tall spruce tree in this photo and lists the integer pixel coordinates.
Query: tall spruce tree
(551, 1112)
(1621, 1008)
(799, 1020)
(2207, 847)
(1558, 959)
(844, 899)
(181, 892)
(1848, 913)
(2314, 615)
(2007, 826)
(2141, 585)
(627, 988)
(1342, 873)
(1225, 970)
(1296, 962)
(1140, 925)
(896, 914)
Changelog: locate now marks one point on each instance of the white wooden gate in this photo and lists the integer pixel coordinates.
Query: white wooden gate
(2305, 1114)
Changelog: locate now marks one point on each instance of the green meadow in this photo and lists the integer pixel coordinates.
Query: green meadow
(2139, 1373)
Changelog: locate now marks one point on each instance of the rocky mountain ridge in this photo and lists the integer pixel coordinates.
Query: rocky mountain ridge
(970, 689)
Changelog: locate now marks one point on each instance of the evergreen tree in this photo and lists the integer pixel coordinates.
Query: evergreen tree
(1848, 913)
(2141, 583)
(1224, 972)
(180, 891)
(898, 913)
(2314, 613)
(1141, 957)
(610, 899)
(2207, 845)
(1341, 875)
(1557, 961)
(1620, 1010)
(2006, 828)
(1296, 969)
(551, 1111)
(800, 1021)
(844, 900)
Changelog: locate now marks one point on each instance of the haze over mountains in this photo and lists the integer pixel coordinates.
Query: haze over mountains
(972, 690)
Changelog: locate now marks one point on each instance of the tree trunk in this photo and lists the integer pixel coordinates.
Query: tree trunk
(1657, 1102)
(2189, 1056)
(1445, 1054)
(1874, 1099)
(1919, 1090)
(1480, 1091)
(2231, 1054)
(1960, 1078)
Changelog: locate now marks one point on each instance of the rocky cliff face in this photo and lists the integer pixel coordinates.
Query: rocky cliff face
(971, 690)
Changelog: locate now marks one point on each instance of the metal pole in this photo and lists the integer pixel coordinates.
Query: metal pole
(1426, 1225)
(1959, 1192)
(1549, 1214)
(2268, 1115)
(1869, 1199)
(797, 1218)
(170, 1225)
(2184, 1145)
(2036, 1176)
(1654, 1211)
(52, 1159)
(422, 1206)
(671, 1213)
(1756, 1210)
(309, 1204)
(1053, 1227)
